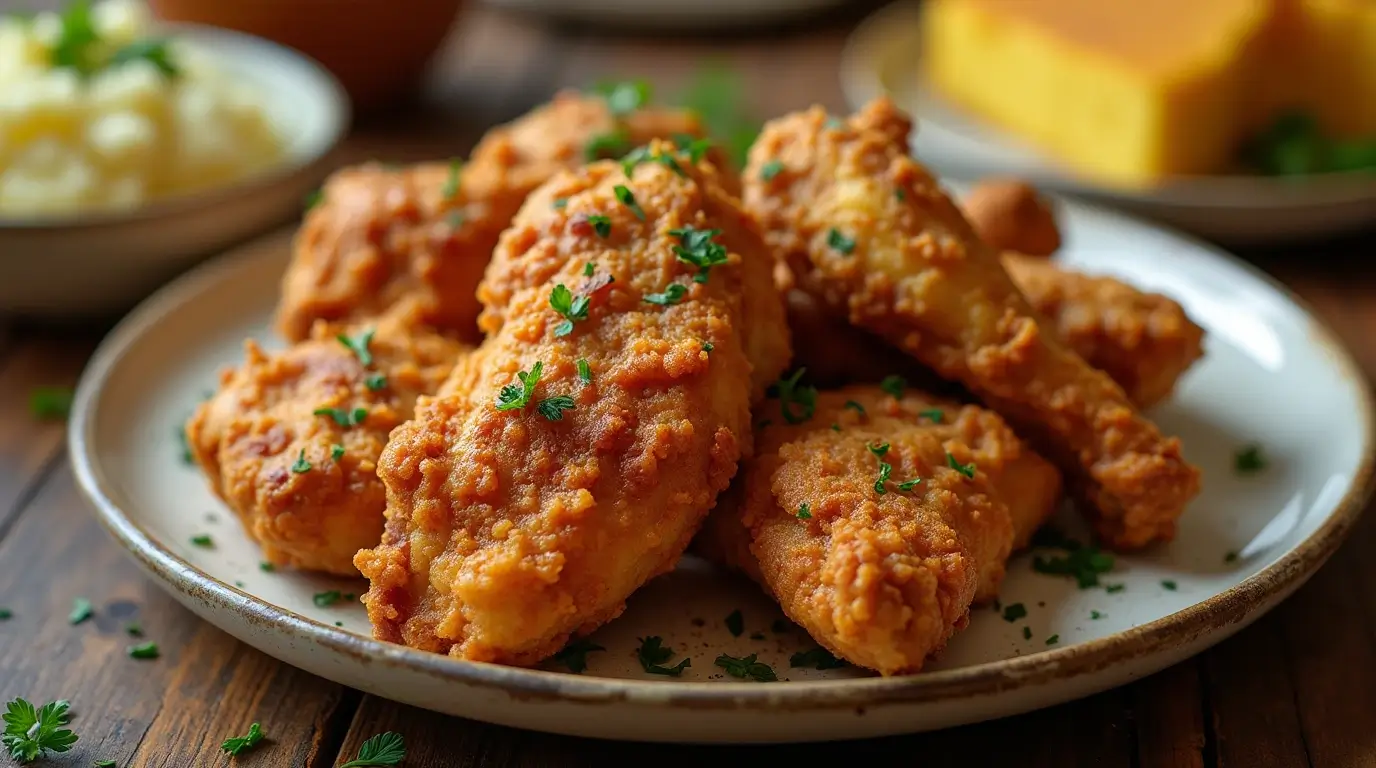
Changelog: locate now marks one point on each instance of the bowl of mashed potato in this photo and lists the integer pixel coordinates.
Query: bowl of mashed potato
(129, 149)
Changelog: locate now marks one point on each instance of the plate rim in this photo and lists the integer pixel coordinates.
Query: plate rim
(1232, 607)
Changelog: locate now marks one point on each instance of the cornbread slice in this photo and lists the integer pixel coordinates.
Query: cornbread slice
(1127, 92)
(1320, 58)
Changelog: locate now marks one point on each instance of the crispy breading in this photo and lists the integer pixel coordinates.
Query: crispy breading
(509, 531)
(1009, 215)
(868, 231)
(273, 460)
(425, 232)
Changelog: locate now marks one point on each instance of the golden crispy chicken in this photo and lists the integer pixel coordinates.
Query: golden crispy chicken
(291, 439)
(612, 406)
(868, 231)
(1009, 215)
(877, 521)
(427, 231)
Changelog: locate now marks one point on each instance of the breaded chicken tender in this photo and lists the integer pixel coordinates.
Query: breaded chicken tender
(877, 536)
(303, 480)
(426, 231)
(611, 409)
(867, 230)
(1009, 215)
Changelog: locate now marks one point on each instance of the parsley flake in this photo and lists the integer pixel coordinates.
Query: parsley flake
(384, 749)
(584, 371)
(133, 629)
(1249, 459)
(624, 97)
(697, 249)
(51, 403)
(6, 614)
(152, 50)
(553, 408)
(1095, 615)
(81, 611)
(1111, 588)
(840, 243)
(735, 623)
(804, 511)
(672, 294)
(336, 452)
(604, 145)
(627, 198)
(770, 169)
(695, 147)
(77, 40)
(908, 485)
(359, 346)
(1012, 613)
(885, 469)
(965, 469)
(313, 199)
(878, 449)
(901, 194)
(342, 417)
(104, 764)
(644, 154)
(589, 269)
(934, 415)
(451, 182)
(202, 540)
(653, 654)
(572, 308)
(235, 745)
(708, 346)
(817, 658)
(455, 219)
(1084, 563)
(791, 393)
(835, 427)
(1053, 639)
(601, 224)
(301, 466)
(894, 385)
(1026, 632)
(1231, 557)
(30, 731)
(574, 656)
(376, 381)
(1168, 584)
(144, 651)
(327, 599)
(559, 203)
(266, 567)
(747, 668)
(513, 397)
(854, 406)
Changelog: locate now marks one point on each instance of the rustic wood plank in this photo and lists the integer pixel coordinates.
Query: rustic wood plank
(1170, 718)
(1252, 701)
(172, 711)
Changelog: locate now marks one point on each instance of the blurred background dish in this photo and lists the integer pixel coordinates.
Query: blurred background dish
(668, 14)
(889, 52)
(97, 244)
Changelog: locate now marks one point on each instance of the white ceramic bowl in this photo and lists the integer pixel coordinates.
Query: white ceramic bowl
(99, 263)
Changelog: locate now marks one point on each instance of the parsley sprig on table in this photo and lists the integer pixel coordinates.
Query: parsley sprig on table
(384, 749)
(235, 745)
(653, 654)
(697, 248)
(30, 731)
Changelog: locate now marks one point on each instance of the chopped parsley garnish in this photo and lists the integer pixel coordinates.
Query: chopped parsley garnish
(627, 198)
(327, 599)
(553, 408)
(30, 731)
(878, 449)
(584, 371)
(644, 154)
(791, 393)
(560, 202)
(147, 650)
(266, 567)
(359, 346)
(336, 452)
(673, 294)
(152, 50)
(51, 403)
(1249, 459)
(313, 198)
(854, 406)
(901, 194)
(885, 469)
(301, 466)
(133, 629)
(894, 385)
(1168, 584)
(697, 249)
(1084, 563)
(833, 123)
(376, 381)
(451, 182)
(77, 40)
(574, 656)
(384, 749)
(1111, 588)
(589, 269)
(840, 243)
(624, 97)
(342, 417)
(770, 169)
(1053, 639)
(933, 415)
(513, 397)
(6, 614)
(695, 147)
(202, 540)
(187, 457)
(601, 224)
(81, 611)
(747, 668)
(1295, 144)
(653, 654)
(708, 346)
(735, 623)
(804, 511)
(455, 219)
(817, 658)
(572, 308)
(965, 469)
(1012, 613)
(908, 485)
(1026, 632)
(1095, 615)
(237, 744)
(613, 144)
(1231, 557)
(835, 427)
(104, 764)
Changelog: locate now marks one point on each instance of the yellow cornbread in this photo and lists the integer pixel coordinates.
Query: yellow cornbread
(1130, 92)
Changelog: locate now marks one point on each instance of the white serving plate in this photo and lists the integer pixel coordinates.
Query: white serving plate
(884, 55)
(88, 264)
(1263, 349)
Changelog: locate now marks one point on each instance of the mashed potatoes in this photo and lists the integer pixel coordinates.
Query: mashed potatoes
(98, 113)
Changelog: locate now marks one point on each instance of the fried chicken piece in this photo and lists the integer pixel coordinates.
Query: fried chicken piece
(878, 574)
(1009, 215)
(867, 230)
(427, 231)
(302, 483)
(510, 530)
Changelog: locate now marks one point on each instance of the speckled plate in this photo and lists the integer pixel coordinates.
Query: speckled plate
(1273, 376)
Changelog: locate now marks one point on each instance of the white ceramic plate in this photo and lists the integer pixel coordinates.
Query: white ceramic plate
(93, 263)
(1273, 375)
(884, 55)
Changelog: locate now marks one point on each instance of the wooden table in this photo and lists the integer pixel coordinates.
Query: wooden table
(1296, 689)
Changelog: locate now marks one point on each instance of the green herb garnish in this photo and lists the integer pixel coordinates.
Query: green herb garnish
(695, 147)
(559, 203)
(817, 658)
(376, 381)
(81, 611)
(327, 599)
(1084, 563)
(77, 40)
(1168, 584)
(747, 668)
(791, 393)
(313, 198)
(574, 656)
(584, 371)
(840, 243)
(202, 540)
(133, 629)
(301, 466)
(1249, 459)
(153, 50)
(237, 744)
(1231, 557)
(1012, 613)
(384, 749)
(908, 485)
(894, 385)
(513, 397)
(1053, 639)
(965, 469)
(854, 406)
(604, 145)
(589, 269)
(673, 294)
(697, 249)
(266, 567)
(144, 651)
(653, 654)
(342, 417)
(627, 198)
(30, 731)
(934, 415)
(359, 346)
(644, 154)
(51, 403)
(708, 346)
(804, 511)
(601, 224)
(1026, 632)
(1111, 588)
(451, 182)
(770, 169)
(553, 408)
(572, 308)
(1095, 615)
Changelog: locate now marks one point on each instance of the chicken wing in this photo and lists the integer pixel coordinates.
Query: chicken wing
(291, 440)
(613, 406)
(427, 231)
(868, 231)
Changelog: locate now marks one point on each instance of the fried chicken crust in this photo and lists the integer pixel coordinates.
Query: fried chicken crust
(426, 231)
(868, 231)
(508, 531)
(272, 459)
(880, 579)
